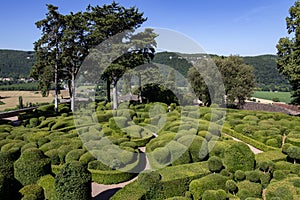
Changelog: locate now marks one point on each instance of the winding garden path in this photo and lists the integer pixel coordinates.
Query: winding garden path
(104, 192)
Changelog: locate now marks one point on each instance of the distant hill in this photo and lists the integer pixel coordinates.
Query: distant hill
(16, 64)
(266, 74)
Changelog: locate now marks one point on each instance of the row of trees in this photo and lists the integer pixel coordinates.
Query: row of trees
(68, 39)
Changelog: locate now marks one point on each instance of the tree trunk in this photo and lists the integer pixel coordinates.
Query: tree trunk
(73, 92)
(56, 89)
(108, 90)
(140, 88)
(115, 95)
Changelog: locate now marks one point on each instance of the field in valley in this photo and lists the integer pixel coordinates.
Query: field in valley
(282, 96)
(11, 98)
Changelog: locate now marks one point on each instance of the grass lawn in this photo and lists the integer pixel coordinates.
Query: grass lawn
(282, 96)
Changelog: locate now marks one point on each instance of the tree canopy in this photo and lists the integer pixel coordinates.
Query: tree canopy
(288, 51)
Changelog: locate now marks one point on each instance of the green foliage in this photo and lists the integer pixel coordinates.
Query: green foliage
(35, 190)
(209, 182)
(253, 176)
(231, 186)
(215, 164)
(74, 155)
(214, 194)
(32, 165)
(239, 175)
(47, 183)
(294, 153)
(73, 182)
(249, 189)
(239, 157)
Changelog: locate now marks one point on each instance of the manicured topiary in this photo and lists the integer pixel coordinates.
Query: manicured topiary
(215, 164)
(32, 165)
(279, 175)
(35, 190)
(282, 193)
(210, 182)
(47, 183)
(231, 186)
(266, 166)
(28, 146)
(73, 182)
(74, 155)
(239, 175)
(33, 122)
(54, 156)
(253, 189)
(294, 153)
(214, 194)
(253, 176)
(273, 143)
(239, 157)
(150, 181)
(86, 158)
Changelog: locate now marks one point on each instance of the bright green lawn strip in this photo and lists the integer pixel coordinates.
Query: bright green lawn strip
(282, 96)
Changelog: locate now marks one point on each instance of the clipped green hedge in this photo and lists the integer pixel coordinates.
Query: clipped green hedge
(47, 183)
(247, 140)
(209, 182)
(33, 189)
(73, 182)
(32, 165)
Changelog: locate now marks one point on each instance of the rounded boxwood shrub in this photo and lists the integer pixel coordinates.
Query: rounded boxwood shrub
(214, 194)
(32, 165)
(73, 182)
(34, 122)
(28, 146)
(47, 183)
(210, 182)
(282, 193)
(279, 175)
(239, 175)
(273, 143)
(86, 158)
(215, 164)
(162, 155)
(74, 155)
(231, 186)
(33, 189)
(254, 189)
(239, 157)
(97, 165)
(253, 176)
(148, 179)
(294, 153)
(54, 157)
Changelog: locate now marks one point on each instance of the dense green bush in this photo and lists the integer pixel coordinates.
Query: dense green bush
(74, 155)
(279, 175)
(253, 176)
(214, 194)
(253, 189)
(294, 153)
(73, 182)
(32, 165)
(47, 183)
(282, 193)
(239, 157)
(215, 164)
(54, 156)
(231, 186)
(239, 175)
(33, 189)
(209, 182)
(86, 158)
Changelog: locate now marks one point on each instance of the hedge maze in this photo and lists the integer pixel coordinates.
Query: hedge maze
(190, 150)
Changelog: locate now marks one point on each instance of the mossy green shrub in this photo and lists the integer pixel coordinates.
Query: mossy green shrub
(239, 157)
(47, 183)
(74, 155)
(63, 151)
(33, 189)
(209, 182)
(239, 175)
(285, 147)
(214, 194)
(178, 198)
(28, 146)
(33, 122)
(36, 136)
(215, 164)
(231, 186)
(280, 174)
(211, 117)
(73, 182)
(179, 153)
(273, 143)
(160, 156)
(282, 165)
(8, 186)
(117, 123)
(294, 153)
(273, 156)
(32, 165)
(55, 144)
(254, 189)
(295, 169)
(282, 192)
(253, 176)
(13, 144)
(54, 156)
(86, 158)
(217, 148)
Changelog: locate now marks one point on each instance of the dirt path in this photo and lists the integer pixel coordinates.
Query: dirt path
(104, 192)
(253, 149)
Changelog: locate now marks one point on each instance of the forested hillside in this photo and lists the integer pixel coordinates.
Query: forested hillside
(16, 64)
(266, 74)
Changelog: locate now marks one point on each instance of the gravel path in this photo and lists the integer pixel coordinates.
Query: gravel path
(104, 192)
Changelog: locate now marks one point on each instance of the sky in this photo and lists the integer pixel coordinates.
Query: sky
(223, 27)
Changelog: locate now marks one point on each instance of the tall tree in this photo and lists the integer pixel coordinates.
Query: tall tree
(48, 51)
(288, 51)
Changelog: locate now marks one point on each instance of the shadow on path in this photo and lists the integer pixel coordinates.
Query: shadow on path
(106, 195)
